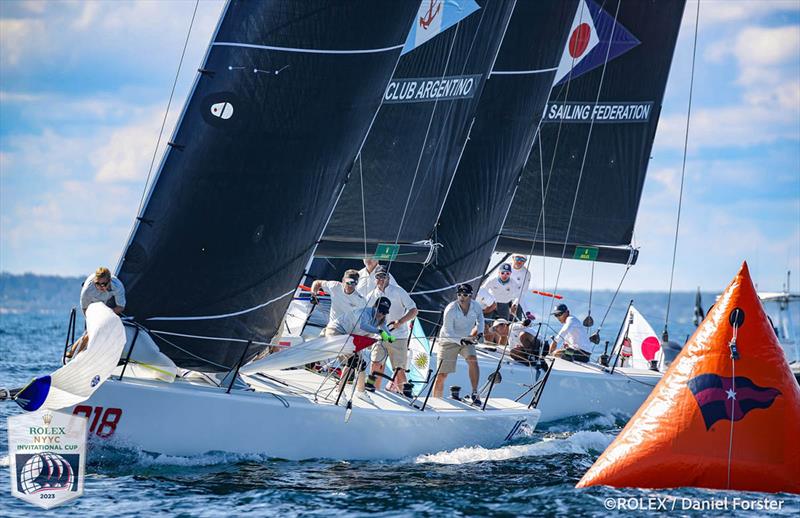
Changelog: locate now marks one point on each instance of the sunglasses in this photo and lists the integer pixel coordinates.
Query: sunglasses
(102, 284)
(351, 282)
(520, 260)
(463, 294)
(505, 273)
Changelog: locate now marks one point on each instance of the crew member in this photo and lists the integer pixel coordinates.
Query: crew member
(363, 322)
(525, 346)
(572, 335)
(503, 289)
(344, 297)
(460, 316)
(519, 274)
(103, 287)
(366, 277)
(402, 312)
(487, 302)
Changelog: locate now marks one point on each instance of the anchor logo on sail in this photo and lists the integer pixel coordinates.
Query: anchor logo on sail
(425, 21)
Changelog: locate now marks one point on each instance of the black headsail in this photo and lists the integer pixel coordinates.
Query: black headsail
(638, 49)
(505, 124)
(280, 108)
(400, 180)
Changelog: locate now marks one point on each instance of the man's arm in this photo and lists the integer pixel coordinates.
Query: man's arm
(411, 307)
(316, 286)
(480, 321)
(119, 295)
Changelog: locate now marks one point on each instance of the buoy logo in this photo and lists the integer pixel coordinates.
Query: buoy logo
(223, 110)
(593, 37)
(723, 398)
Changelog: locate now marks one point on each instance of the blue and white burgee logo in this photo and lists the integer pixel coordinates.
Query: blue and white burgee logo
(47, 453)
(434, 17)
(594, 35)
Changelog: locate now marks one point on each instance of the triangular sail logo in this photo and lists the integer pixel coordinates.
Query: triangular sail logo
(593, 35)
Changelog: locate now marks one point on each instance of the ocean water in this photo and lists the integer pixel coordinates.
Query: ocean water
(534, 475)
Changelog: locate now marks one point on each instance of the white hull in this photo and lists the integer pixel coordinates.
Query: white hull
(573, 389)
(186, 419)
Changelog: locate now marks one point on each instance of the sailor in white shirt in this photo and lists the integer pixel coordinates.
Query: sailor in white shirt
(504, 290)
(460, 316)
(519, 274)
(572, 334)
(487, 302)
(403, 310)
(344, 297)
(366, 277)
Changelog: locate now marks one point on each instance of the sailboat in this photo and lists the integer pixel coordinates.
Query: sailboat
(574, 196)
(281, 107)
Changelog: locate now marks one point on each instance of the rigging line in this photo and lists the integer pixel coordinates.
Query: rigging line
(216, 338)
(611, 304)
(226, 315)
(683, 167)
(424, 142)
(541, 218)
(363, 206)
(194, 355)
(586, 150)
(166, 112)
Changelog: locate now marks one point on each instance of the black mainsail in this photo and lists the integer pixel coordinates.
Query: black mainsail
(280, 108)
(505, 125)
(610, 97)
(401, 179)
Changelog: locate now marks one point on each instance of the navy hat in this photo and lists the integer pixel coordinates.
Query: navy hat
(464, 288)
(560, 310)
(505, 267)
(380, 271)
(383, 304)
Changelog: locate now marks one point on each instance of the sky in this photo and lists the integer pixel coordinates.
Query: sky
(84, 86)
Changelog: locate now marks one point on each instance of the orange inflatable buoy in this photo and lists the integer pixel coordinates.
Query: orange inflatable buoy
(726, 415)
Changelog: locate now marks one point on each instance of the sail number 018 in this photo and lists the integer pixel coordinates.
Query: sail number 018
(102, 426)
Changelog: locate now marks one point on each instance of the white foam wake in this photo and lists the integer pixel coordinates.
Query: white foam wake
(580, 442)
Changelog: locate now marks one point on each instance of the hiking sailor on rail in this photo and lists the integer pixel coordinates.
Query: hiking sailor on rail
(403, 310)
(460, 316)
(103, 287)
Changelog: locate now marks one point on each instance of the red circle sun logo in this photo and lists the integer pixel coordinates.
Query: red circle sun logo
(579, 40)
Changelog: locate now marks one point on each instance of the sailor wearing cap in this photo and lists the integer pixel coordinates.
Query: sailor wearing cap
(403, 310)
(362, 321)
(498, 332)
(572, 334)
(503, 289)
(366, 277)
(344, 297)
(460, 316)
(519, 274)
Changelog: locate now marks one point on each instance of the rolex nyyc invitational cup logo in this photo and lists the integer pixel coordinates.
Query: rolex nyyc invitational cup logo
(47, 453)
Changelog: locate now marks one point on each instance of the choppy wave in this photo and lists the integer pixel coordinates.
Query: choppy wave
(580, 442)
